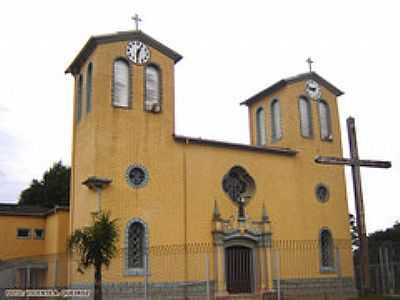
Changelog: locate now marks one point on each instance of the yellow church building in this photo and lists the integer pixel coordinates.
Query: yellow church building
(238, 201)
(253, 217)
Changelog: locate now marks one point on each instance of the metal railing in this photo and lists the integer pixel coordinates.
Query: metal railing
(192, 271)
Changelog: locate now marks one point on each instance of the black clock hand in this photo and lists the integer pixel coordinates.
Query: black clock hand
(138, 53)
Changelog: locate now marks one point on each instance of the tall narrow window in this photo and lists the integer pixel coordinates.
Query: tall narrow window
(121, 83)
(326, 248)
(276, 120)
(79, 98)
(260, 127)
(89, 79)
(153, 89)
(305, 117)
(136, 247)
(325, 120)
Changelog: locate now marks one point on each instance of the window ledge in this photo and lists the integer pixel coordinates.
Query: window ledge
(135, 272)
(121, 106)
(328, 270)
(24, 237)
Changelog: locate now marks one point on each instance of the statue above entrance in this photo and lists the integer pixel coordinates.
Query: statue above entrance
(239, 186)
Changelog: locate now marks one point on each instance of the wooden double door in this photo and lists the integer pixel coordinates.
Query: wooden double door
(239, 269)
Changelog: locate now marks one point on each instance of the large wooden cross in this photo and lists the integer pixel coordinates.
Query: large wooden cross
(355, 162)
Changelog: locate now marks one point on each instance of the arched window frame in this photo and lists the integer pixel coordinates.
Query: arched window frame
(276, 133)
(79, 96)
(261, 130)
(158, 69)
(89, 87)
(129, 105)
(326, 265)
(329, 136)
(136, 271)
(308, 135)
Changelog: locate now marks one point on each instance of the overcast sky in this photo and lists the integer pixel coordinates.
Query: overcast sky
(231, 50)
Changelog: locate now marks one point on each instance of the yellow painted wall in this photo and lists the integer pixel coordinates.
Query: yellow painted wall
(50, 250)
(11, 246)
(185, 180)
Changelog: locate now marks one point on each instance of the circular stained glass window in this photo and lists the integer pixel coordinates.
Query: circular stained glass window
(137, 176)
(322, 192)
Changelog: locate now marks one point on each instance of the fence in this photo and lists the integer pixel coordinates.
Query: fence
(294, 270)
(384, 268)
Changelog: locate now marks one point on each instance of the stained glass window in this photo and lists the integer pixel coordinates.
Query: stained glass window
(136, 246)
(137, 176)
(327, 254)
(322, 192)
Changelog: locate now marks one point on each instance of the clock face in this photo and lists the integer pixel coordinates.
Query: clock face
(138, 52)
(312, 89)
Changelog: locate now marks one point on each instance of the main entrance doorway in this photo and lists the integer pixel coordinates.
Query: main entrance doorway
(239, 269)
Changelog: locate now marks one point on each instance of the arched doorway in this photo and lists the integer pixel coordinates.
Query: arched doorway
(239, 269)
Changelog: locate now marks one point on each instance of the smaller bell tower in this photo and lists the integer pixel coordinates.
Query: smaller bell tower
(296, 112)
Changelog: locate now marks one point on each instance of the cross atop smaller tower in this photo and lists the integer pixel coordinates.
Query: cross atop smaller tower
(310, 62)
(137, 20)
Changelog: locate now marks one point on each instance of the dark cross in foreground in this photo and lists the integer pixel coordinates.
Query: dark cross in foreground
(137, 20)
(310, 62)
(355, 164)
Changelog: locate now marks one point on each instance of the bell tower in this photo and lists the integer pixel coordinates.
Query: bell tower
(123, 115)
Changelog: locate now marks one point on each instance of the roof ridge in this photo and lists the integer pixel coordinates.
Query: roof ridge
(288, 80)
(96, 40)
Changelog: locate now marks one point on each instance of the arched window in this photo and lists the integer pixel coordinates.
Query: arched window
(305, 117)
(153, 89)
(89, 79)
(276, 120)
(135, 247)
(121, 83)
(325, 120)
(79, 98)
(260, 127)
(326, 248)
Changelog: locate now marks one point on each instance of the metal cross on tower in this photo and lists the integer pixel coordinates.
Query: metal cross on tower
(355, 164)
(310, 62)
(137, 20)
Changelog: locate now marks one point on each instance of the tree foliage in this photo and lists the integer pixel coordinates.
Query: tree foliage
(388, 238)
(353, 232)
(51, 190)
(96, 246)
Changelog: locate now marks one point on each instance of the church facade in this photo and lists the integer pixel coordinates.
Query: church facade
(241, 200)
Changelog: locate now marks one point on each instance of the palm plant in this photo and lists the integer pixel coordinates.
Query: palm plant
(96, 246)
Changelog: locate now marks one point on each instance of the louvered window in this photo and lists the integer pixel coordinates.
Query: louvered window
(153, 89)
(89, 79)
(305, 117)
(260, 127)
(121, 83)
(276, 120)
(325, 120)
(136, 246)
